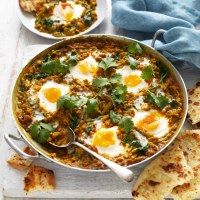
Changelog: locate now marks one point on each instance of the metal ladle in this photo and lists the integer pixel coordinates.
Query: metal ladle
(124, 173)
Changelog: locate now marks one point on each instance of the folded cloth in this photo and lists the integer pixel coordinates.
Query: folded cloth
(142, 18)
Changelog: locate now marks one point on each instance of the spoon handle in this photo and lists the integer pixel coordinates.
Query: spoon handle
(124, 173)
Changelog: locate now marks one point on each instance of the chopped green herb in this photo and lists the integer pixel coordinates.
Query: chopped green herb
(73, 59)
(47, 22)
(53, 66)
(66, 101)
(107, 63)
(92, 105)
(147, 73)
(88, 129)
(134, 48)
(100, 82)
(88, 17)
(174, 104)
(133, 63)
(118, 94)
(160, 101)
(143, 150)
(73, 121)
(163, 71)
(116, 79)
(115, 118)
(81, 102)
(39, 76)
(41, 132)
(126, 124)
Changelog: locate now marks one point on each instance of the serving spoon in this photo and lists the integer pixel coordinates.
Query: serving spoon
(124, 173)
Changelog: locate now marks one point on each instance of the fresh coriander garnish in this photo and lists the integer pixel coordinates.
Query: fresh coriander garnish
(116, 78)
(118, 94)
(163, 71)
(143, 150)
(174, 104)
(130, 139)
(92, 106)
(147, 73)
(107, 63)
(70, 102)
(73, 121)
(88, 17)
(126, 124)
(135, 48)
(41, 131)
(50, 66)
(100, 82)
(160, 101)
(133, 63)
(115, 118)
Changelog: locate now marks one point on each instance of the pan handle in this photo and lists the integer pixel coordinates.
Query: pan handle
(9, 137)
(157, 33)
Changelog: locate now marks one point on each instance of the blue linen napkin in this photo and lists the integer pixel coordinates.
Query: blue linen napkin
(140, 19)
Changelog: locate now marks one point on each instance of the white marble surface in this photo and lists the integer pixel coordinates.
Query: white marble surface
(14, 42)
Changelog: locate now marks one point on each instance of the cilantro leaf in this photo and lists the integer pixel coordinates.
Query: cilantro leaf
(160, 101)
(147, 73)
(81, 102)
(118, 94)
(116, 78)
(73, 59)
(41, 131)
(107, 63)
(100, 82)
(53, 66)
(143, 150)
(130, 139)
(134, 48)
(88, 17)
(92, 105)
(163, 71)
(133, 63)
(73, 121)
(126, 124)
(174, 104)
(66, 101)
(47, 22)
(115, 118)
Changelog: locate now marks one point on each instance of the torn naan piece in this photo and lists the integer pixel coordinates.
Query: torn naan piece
(194, 106)
(20, 163)
(39, 178)
(164, 173)
(190, 190)
(30, 5)
(189, 143)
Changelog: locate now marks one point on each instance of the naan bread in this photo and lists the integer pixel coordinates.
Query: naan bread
(189, 143)
(30, 5)
(194, 106)
(164, 173)
(17, 162)
(190, 190)
(39, 178)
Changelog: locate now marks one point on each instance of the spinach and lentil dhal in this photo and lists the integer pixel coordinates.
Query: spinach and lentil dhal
(65, 18)
(120, 101)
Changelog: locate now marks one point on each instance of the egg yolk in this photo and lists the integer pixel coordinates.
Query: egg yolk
(87, 67)
(52, 94)
(150, 122)
(68, 9)
(132, 80)
(104, 138)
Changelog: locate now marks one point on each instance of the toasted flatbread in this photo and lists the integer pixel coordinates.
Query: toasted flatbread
(189, 143)
(194, 106)
(39, 178)
(164, 173)
(189, 190)
(17, 162)
(30, 5)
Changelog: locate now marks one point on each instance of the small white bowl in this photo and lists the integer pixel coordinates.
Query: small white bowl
(28, 20)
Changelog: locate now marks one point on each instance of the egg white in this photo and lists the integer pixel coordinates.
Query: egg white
(112, 150)
(59, 12)
(77, 73)
(125, 71)
(43, 102)
(160, 131)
